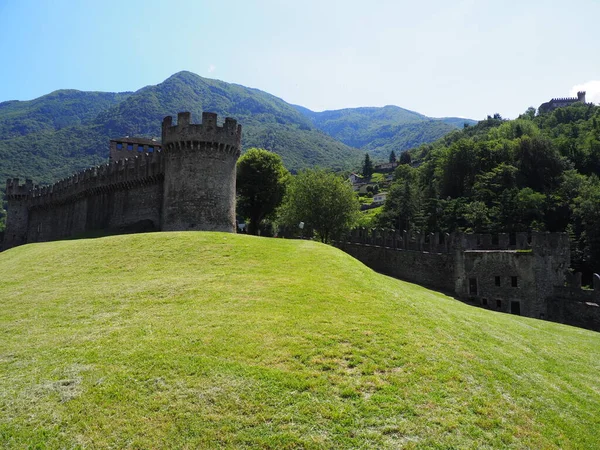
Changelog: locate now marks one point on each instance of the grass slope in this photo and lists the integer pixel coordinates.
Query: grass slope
(206, 339)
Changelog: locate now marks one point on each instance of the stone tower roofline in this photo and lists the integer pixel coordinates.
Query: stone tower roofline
(580, 98)
(230, 134)
(14, 189)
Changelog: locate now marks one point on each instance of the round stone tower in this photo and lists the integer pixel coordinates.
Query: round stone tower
(199, 185)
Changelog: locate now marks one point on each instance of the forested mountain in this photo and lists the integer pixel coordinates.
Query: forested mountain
(533, 173)
(381, 130)
(54, 135)
(57, 134)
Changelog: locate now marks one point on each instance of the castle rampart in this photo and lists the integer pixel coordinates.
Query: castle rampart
(561, 102)
(193, 202)
(128, 194)
(519, 273)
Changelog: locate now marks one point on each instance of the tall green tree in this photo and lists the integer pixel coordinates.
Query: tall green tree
(324, 201)
(392, 156)
(405, 158)
(367, 169)
(261, 182)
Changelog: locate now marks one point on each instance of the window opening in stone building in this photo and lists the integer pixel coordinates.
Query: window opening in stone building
(495, 239)
(473, 286)
(515, 308)
(484, 301)
(497, 280)
(119, 146)
(498, 304)
(140, 148)
(150, 149)
(129, 146)
(514, 282)
(512, 238)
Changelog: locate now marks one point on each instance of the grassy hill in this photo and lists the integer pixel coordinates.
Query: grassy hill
(381, 130)
(187, 340)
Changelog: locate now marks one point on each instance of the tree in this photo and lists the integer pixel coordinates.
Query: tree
(405, 158)
(261, 182)
(324, 201)
(367, 169)
(392, 156)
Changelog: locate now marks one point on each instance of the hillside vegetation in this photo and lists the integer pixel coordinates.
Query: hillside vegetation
(187, 340)
(52, 136)
(382, 130)
(538, 172)
(65, 131)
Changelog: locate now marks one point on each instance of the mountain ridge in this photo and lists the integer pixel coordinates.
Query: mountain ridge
(67, 130)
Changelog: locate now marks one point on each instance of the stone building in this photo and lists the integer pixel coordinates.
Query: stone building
(560, 102)
(186, 182)
(519, 273)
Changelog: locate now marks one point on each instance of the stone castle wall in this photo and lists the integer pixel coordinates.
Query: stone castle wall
(189, 184)
(516, 273)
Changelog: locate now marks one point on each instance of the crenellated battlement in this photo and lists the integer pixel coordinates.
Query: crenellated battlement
(439, 242)
(564, 99)
(16, 190)
(142, 168)
(560, 102)
(185, 182)
(226, 138)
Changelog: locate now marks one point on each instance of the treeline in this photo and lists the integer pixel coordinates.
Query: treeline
(535, 173)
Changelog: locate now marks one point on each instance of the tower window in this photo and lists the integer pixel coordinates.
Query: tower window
(514, 282)
(497, 280)
(499, 304)
(129, 146)
(119, 146)
(473, 286)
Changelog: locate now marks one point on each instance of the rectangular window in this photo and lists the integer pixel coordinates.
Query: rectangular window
(512, 238)
(495, 239)
(150, 149)
(497, 281)
(129, 146)
(140, 148)
(514, 282)
(499, 304)
(484, 301)
(119, 146)
(473, 286)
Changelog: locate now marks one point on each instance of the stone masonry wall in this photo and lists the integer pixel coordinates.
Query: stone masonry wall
(185, 183)
(435, 270)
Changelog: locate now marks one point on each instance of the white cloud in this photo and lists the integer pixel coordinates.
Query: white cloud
(591, 88)
(212, 68)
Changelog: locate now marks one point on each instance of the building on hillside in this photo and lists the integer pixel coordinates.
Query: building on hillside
(356, 178)
(561, 102)
(129, 147)
(386, 167)
(380, 198)
(185, 182)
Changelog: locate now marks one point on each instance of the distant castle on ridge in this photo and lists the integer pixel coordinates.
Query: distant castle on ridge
(560, 102)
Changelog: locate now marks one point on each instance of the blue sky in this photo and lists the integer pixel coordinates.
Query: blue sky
(440, 58)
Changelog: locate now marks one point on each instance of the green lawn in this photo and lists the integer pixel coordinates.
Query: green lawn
(187, 340)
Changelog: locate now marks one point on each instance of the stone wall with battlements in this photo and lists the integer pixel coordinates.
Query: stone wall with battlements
(187, 184)
(520, 273)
